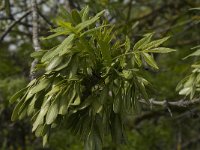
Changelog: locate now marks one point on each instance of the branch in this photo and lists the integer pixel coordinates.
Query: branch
(148, 116)
(180, 106)
(36, 44)
(155, 114)
(191, 142)
(46, 19)
(2, 6)
(180, 103)
(9, 28)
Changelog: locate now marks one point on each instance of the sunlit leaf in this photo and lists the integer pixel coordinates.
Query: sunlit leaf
(160, 50)
(149, 59)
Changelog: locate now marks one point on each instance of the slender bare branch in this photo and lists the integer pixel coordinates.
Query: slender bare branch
(179, 103)
(45, 19)
(9, 28)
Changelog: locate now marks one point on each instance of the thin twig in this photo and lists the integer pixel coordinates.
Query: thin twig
(9, 28)
(45, 19)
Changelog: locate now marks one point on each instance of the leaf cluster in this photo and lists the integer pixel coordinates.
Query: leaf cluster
(90, 80)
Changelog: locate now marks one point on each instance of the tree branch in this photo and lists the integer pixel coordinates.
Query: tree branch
(35, 38)
(2, 6)
(148, 115)
(45, 19)
(9, 28)
(180, 103)
(191, 142)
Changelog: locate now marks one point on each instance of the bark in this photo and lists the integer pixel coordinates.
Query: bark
(35, 38)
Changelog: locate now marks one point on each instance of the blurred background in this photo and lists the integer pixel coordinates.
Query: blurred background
(151, 129)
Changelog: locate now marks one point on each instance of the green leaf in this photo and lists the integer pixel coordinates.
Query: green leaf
(149, 59)
(38, 54)
(160, 50)
(154, 43)
(190, 81)
(97, 139)
(84, 13)
(117, 132)
(74, 69)
(17, 95)
(73, 94)
(48, 55)
(64, 65)
(127, 44)
(137, 59)
(52, 112)
(185, 91)
(66, 50)
(41, 130)
(66, 25)
(196, 47)
(31, 82)
(52, 53)
(15, 112)
(91, 31)
(64, 14)
(22, 113)
(54, 63)
(40, 117)
(142, 42)
(76, 16)
(97, 107)
(77, 101)
(181, 83)
(93, 140)
(117, 104)
(196, 53)
(31, 106)
(84, 104)
(197, 8)
(29, 94)
(141, 86)
(65, 44)
(105, 51)
(63, 108)
(127, 74)
(59, 29)
(87, 23)
(45, 139)
(43, 83)
(66, 32)
(53, 91)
